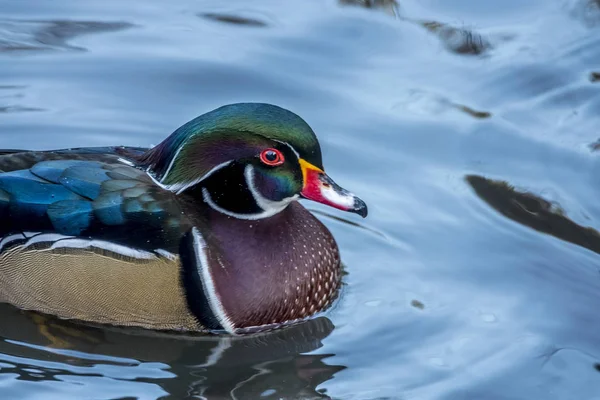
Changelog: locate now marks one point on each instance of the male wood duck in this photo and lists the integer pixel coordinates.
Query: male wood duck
(201, 233)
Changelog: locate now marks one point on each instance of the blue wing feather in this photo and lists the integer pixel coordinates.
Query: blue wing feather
(70, 217)
(13, 177)
(30, 195)
(122, 172)
(4, 201)
(107, 208)
(118, 185)
(90, 193)
(85, 181)
(131, 206)
(53, 170)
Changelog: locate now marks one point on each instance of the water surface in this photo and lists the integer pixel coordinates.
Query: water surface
(469, 128)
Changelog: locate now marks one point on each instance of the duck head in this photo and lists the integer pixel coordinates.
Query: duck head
(248, 161)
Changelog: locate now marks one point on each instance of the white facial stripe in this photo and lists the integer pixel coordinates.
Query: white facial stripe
(156, 181)
(208, 200)
(344, 200)
(288, 145)
(208, 284)
(179, 188)
(172, 161)
(209, 173)
(269, 206)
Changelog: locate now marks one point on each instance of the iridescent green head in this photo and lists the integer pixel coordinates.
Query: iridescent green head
(247, 160)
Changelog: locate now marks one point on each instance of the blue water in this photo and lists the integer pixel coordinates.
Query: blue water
(478, 288)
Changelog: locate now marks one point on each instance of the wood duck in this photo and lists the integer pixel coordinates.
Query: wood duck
(201, 233)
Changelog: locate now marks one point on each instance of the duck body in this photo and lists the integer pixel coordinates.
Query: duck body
(200, 233)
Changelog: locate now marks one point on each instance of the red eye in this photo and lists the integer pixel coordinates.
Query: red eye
(272, 157)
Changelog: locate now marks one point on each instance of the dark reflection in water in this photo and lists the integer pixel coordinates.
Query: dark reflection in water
(269, 365)
(587, 11)
(533, 211)
(9, 94)
(472, 112)
(437, 104)
(13, 109)
(595, 146)
(28, 36)
(390, 7)
(459, 40)
(233, 19)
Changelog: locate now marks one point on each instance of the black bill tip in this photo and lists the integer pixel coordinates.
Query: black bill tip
(360, 208)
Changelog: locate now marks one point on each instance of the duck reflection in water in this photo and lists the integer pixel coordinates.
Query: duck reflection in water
(265, 365)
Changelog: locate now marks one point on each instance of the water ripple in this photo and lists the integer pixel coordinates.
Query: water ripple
(33, 36)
